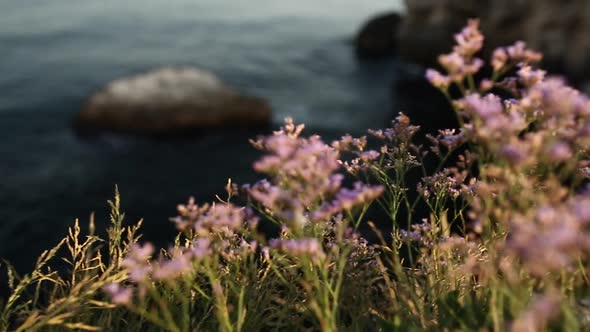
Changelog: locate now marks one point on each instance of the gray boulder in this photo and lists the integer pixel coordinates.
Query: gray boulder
(170, 101)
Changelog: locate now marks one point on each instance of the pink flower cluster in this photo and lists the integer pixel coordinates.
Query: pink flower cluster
(400, 133)
(139, 270)
(137, 261)
(303, 182)
(213, 219)
(441, 185)
(492, 125)
(119, 295)
(346, 199)
(397, 150)
(418, 233)
(541, 311)
(364, 159)
(213, 230)
(518, 54)
(461, 63)
(307, 247)
(547, 121)
(449, 139)
(554, 237)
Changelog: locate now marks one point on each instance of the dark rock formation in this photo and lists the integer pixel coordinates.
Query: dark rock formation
(425, 105)
(377, 38)
(559, 29)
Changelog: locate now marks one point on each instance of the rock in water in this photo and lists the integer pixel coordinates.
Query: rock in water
(428, 27)
(559, 29)
(377, 38)
(170, 101)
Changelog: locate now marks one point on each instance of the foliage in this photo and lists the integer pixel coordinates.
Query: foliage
(495, 237)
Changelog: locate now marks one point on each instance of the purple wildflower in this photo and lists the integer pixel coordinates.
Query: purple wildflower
(222, 218)
(309, 247)
(169, 269)
(487, 106)
(346, 199)
(469, 40)
(188, 214)
(529, 76)
(560, 152)
(542, 310)
(461, 63)
(137, 262)
(440, 185)
(347, 143)
(519, 53)
(553, 238)
(201, 247)
(119, 295)
(516, 54)
(437, 79)
(305, 179)
(515, 153)
(499, 59)
(486, 85)
(558, 99)
(401, 131)
(369, 156)
(491, 123)
(448, 139)
(217, 218)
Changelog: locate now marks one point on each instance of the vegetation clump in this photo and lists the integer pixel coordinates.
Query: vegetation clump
(504, 242)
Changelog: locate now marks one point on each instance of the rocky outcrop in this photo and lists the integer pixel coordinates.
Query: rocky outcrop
(426, 106)
(377, 38)
(559, 29)
(169, 101)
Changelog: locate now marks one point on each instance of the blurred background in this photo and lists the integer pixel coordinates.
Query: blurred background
(296, 55)
(339, 66)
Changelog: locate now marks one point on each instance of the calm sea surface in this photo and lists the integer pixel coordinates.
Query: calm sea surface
(54, 54)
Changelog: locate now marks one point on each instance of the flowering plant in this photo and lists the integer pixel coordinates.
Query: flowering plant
(494, 234)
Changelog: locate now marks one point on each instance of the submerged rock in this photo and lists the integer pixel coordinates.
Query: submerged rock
(170, 101)
(377, 38)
